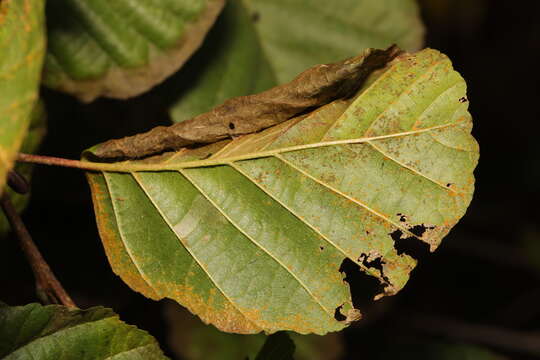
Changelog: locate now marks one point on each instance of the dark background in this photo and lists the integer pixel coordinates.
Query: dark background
(486, 272)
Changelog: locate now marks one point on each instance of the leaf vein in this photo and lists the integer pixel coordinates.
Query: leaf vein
(304, 221)
(356, 201)
(388, 156)
(329, 312)
(171, 227)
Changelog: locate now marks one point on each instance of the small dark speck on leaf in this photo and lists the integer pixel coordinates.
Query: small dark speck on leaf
(231, 126)
(321, 247)
(255, 17)
(449, 184)
(463, 100)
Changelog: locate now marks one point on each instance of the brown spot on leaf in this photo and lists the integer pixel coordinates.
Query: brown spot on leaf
(255, 16)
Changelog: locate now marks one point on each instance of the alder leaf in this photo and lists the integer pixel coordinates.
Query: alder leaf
(55, 332)
(257, 44)
(121, 48)
(250, 234)
(22, 47)
(296, 35)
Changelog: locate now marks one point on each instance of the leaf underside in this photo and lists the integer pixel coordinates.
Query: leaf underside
(22, 46)
(121, 48)
(250, 234)
(57, 333)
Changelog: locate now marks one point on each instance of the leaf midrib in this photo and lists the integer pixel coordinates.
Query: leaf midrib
(131, 166)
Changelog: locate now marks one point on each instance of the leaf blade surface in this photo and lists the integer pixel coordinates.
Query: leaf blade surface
(122, 48)
(22, 45)
(251, 233)
(56, 332)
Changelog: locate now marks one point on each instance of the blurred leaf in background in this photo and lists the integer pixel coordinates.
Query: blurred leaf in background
(257, 44)
(191, 339)
(22, 47)
(121, 48)
(230, 63)
(55, 332)
(278, 346)
(299, 34)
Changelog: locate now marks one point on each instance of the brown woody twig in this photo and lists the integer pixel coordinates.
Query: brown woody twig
(48, 288)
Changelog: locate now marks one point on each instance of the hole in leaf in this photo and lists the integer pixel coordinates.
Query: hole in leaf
(231, 126)
(376, 263)
(411, 246)
(338, 315)
(363, 287)
(321, 247)
(418, 230)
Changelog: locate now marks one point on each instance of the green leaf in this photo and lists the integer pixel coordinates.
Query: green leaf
(22, 47)
(56, 332)
(298, 34)
(250, 234)
(251, 50)
(30, 145)
(121, 48)
(278, 346)
(190, 339)
(230, 63)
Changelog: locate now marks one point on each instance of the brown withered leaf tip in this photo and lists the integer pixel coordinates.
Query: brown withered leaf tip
(242, 115)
